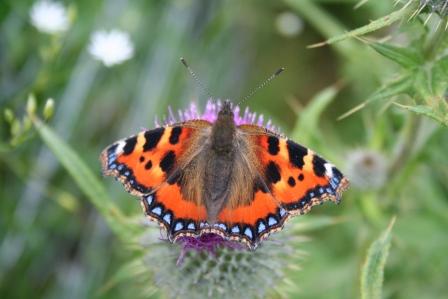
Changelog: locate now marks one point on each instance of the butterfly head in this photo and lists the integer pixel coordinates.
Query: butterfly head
(226, 110)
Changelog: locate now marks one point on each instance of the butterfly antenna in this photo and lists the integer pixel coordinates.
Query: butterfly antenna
(263, 84)
(198, 82)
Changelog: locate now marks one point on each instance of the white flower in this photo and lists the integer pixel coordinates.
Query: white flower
(49, 17)
(113, 47)
(289, 24)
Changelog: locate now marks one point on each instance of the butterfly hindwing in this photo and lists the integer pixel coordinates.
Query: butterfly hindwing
(172, 211)
(254, 222)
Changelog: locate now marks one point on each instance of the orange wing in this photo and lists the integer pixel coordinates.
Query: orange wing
(293, 180)
(180, 217)
(252, 223)
(297, 177)
(149, 165)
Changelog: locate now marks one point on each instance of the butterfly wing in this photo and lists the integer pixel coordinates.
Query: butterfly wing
(293, 179)
(150, 166)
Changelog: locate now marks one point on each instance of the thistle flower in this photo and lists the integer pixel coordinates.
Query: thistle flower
(431, 7)
(289, 24)
(437, 6)
(211, 114)
(211, 267)
(366, 169)
(49, 17)
(111, 47)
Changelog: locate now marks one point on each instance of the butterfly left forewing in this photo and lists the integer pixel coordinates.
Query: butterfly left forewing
(144, 161)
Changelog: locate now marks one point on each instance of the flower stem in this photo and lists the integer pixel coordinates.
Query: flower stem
(405, 147)
(371, 209)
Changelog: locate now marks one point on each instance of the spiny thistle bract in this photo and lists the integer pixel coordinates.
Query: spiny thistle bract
(430, 8)
(224, 271)
(437, 6)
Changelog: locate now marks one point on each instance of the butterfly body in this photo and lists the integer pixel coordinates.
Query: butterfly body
(219, 159)
(239, 180)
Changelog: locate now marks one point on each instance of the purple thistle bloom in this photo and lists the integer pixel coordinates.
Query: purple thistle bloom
(211, 114)
(207, 242)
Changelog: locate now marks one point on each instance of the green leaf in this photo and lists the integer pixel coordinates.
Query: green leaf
(86, 180)
(373, 268)
(395, 87)
(406, 57)
(306, 128)
(398, 86)
(430, 81)
(439, 116)
(385, 21)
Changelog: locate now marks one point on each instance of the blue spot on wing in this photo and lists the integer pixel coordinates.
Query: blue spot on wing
(157, 211)
(272, 221)
(178, 226)
(248, 232)
(167, 218)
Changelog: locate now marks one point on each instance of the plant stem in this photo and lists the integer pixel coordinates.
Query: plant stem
(326, 24)
(405, 147)
(371, 209)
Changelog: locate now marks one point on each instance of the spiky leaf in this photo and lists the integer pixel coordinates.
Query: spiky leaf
(409, 58)
(373, 268)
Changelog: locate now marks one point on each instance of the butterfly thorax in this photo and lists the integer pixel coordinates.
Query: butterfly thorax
(223, 131)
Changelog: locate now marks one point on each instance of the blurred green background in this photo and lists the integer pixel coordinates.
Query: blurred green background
(55, 244)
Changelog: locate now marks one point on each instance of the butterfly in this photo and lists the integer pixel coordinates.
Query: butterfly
(223, 174)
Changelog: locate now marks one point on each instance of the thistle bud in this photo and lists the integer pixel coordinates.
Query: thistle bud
(48, 109)
(31, 105)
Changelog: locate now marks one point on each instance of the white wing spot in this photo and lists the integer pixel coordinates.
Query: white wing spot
(328, 169)
(120, 146)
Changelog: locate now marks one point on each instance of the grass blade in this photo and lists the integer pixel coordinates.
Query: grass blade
(306, 128)
(85, 179)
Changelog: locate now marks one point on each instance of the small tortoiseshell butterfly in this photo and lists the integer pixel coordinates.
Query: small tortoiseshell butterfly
(221, 173)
